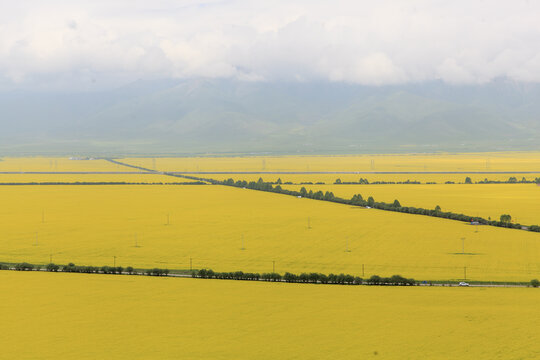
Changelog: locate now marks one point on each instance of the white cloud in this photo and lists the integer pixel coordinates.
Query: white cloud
(103, 43)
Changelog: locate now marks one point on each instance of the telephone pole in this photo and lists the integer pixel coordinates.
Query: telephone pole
(114, 262)
(242, 248)
(273, 266)
(309, 223)
(190, 264)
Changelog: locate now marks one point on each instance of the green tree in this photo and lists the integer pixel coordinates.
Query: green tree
(52, 267)
(24, 267)
(437, 208)
(505, 218)
(338, 181)
(370, 201)
(468, 180)
(535, 283)
(396, 203)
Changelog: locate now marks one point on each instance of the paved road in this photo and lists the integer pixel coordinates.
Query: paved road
(419, 284)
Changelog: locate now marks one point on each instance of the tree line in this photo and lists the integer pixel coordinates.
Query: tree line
(305, 278)
(511, 180)
(358, 200)
(72, 268)
(363, 181)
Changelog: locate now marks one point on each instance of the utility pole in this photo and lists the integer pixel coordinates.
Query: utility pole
(190, 264)
(50, 259)
(309, 222)
(347, 246)
(363, 274)
(242, 248)
(462, 245)
(168, 219)
(273, 266)
(114, 261)
(464, 273)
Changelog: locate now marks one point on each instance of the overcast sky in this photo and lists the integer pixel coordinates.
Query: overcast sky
(98, 44)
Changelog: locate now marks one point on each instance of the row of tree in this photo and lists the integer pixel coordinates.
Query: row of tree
(363, 181)
(157, 272)
(358, 200)
(511, 180)
(24, 267)
(306, 278)
(72, 268)
(236, 275)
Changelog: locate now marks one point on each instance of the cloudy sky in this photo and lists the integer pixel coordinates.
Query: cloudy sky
(65, 44)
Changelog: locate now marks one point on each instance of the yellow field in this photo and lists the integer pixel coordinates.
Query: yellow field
(331, 178)
(133, 177)
(508, 161)
(521, 201)
(59, 164)
(92, 224)
(79, 316)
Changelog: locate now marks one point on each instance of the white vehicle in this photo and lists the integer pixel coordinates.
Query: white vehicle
(463, 283)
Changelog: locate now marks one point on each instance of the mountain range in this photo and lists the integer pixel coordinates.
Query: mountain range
(199, 116)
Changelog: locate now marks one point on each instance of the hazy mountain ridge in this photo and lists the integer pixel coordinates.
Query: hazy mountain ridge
(221, 116)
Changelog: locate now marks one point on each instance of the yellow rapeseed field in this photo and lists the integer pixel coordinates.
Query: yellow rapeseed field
(521, 201)
(55, 164)
(48, 316)
(100, 225)
(131, 177)
(503, 161)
